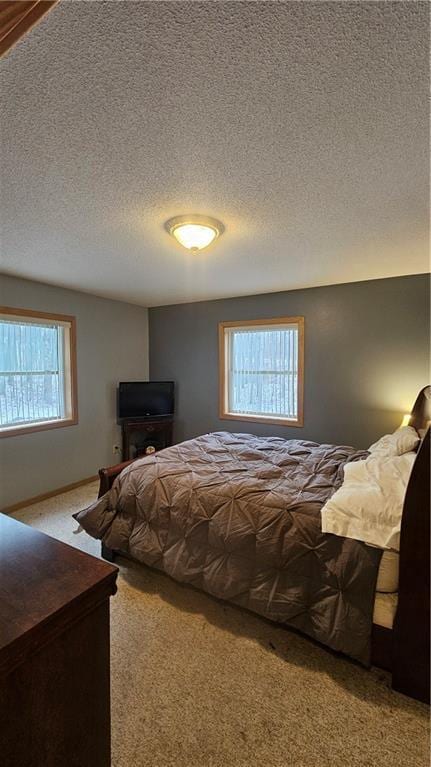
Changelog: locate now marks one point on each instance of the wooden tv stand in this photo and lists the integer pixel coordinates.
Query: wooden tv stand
(139, 434)
(54, 652)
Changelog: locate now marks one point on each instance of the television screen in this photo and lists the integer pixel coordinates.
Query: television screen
(141, 399)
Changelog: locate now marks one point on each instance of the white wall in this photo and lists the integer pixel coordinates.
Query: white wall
(112, 345)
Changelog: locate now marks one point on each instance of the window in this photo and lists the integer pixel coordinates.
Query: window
(261, 370)
(37, 371)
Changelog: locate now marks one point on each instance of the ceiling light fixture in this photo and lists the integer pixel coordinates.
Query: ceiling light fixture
(194, 232)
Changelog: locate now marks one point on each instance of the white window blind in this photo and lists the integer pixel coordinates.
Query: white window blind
(262, 368)
(34, 371)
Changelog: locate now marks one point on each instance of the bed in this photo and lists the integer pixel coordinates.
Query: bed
(239, 517)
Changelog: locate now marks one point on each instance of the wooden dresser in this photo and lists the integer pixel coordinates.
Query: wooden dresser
(54, 652)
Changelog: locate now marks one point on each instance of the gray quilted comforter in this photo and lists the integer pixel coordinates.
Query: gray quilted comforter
(239, 517)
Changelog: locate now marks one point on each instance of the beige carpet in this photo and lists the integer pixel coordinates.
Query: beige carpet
(198, 683)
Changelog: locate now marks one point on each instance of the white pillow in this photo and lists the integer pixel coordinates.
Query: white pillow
(403, 440)
(369, 504)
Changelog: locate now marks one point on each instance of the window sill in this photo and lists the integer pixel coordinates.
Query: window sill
(28, 428)
(262, 419)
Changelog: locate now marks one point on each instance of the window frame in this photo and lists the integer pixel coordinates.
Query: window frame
(72, 419)
(224, 371)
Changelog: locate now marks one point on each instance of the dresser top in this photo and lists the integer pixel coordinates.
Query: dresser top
(44, 585)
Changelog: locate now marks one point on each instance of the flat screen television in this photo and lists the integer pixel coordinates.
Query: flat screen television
(144, 399)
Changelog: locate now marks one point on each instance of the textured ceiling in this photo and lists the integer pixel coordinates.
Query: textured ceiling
(301, 125)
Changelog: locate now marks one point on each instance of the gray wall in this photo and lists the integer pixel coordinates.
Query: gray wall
(366, 357)
(112, 345)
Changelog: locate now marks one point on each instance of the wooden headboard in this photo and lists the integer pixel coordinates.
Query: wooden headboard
(420, 417)
(411, 645)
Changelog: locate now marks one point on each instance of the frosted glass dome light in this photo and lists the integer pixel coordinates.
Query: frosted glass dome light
(194, 232)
